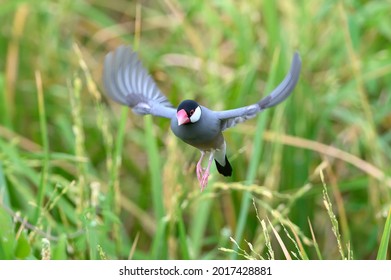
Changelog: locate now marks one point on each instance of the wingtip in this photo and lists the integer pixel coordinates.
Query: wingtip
(122, 47)
(296, 60)
(295, 66)
(127, 82)
(296, 56)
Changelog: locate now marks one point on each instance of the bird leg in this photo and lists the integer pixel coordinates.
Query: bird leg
(205, 176)
(199, 169)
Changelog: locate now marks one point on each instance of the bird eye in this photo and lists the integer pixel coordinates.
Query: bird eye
(191, 112)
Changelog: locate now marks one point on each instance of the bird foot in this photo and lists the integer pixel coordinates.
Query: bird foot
(203, 173)
(204, 180)
(200, 172)
(202, 176)
(199, 169)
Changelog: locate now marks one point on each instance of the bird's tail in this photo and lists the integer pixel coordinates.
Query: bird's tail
(226, 170)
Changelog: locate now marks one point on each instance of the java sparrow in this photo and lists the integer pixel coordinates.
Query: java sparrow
(127, 82)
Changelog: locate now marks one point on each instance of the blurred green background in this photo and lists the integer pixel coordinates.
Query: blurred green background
(84, 178)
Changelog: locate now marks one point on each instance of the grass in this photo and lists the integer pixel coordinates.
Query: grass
(83, 178)
(383, 247)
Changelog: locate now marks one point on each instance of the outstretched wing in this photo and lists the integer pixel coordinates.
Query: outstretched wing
(127, 82)
(232, 117)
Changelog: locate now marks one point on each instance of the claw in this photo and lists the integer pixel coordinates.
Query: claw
(203, 176)
(204, 180)
(199, 169)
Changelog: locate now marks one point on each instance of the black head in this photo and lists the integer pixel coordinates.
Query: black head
(188, 105)
(188, 112)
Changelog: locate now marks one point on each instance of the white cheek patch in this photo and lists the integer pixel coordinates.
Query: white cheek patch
(196, 115)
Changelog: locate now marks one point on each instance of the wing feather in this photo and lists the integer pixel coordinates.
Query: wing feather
(127, 82)
(230, 118)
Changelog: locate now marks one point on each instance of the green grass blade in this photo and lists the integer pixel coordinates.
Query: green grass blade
(45, 145)
(382, 253)
(113, 199)
(219, 53)
(182, 235)
(159, 245)
(7, 237)
(272, 23)
(4, 116)
(92, 237)
(154, 167)
(59, 251)
(22, 248)
(316, 246)
(256, 156)
(200, 222)
(4, 194)
(117, 157)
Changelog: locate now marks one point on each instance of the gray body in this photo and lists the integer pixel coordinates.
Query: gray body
(127, 82)
(205, 134)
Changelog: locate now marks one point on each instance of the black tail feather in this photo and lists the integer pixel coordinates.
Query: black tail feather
(225, 170)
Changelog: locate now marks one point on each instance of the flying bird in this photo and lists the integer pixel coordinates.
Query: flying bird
(127, 82)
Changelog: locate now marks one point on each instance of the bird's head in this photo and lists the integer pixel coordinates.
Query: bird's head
(188, 112)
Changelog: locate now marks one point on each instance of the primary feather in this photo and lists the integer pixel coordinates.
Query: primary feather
(127, 82)
(230, 118)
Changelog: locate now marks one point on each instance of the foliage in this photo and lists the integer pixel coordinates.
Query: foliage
(83, 178)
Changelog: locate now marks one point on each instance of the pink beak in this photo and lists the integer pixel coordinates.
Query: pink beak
(182, 117)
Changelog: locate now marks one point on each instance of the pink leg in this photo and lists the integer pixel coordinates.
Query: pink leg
(205, 176)
(199, 169)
